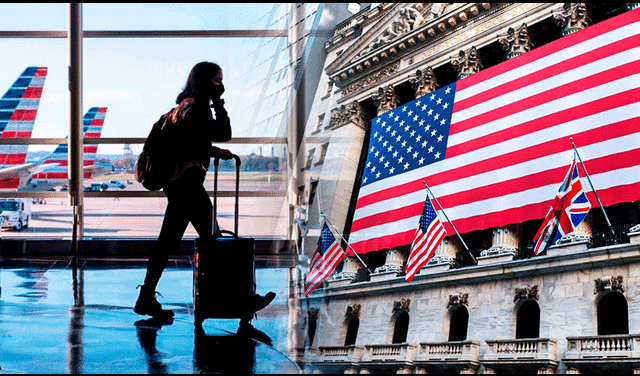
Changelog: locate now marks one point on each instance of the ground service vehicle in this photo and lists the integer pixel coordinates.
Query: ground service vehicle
(16, 212)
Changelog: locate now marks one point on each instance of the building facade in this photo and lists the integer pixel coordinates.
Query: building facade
(495, 308)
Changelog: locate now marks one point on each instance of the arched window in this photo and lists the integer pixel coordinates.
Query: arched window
(352, 331)
(613, 315)
(459, 323)
(401, 328)
(311, 329)
(528, 320)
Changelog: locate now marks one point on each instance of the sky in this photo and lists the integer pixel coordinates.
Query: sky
(138, 79)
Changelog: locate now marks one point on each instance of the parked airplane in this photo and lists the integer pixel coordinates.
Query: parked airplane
(53, 172)
(18, 108)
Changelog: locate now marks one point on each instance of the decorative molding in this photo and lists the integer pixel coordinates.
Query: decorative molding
(386, 99)
(574, 17)
(371, 79)
(402, 305)
(608, 283)
(526, 292)
(458, 299)
(467, 63)
(408, 18)
(516, 43)
(313, 314)
(350, 113)
(353, 310)
(423, 83)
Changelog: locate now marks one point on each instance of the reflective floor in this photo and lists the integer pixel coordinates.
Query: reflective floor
(74, 316)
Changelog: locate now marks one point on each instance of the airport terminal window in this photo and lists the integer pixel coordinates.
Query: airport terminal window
(135, 60)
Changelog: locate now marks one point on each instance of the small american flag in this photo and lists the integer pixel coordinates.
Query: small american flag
(428, 236)
(325, 259)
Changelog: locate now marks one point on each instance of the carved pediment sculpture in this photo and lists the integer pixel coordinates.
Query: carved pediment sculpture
(516, 43)
(458, 299)
(353, 310)
(608, 283)
(573, 17)
(386, 99)
(423, 83)
(407, 20)
(468, 63)
(526, 292)
(402, 305)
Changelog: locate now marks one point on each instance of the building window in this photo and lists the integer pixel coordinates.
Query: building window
(323, 153)
(528, 320)
(310, 154)
(352, 330)
(311, 330)
(401, 328)
(319, 124)
(459, 324)
(613, 315)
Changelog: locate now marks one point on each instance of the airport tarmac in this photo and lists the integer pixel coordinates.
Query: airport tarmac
(141, 217)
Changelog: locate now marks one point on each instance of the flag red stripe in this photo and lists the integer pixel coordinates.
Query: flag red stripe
(621, 20)
(593, 136)
(546, 73)
(580, 111)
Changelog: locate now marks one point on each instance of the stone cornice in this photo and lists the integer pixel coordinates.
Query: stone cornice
(344, 72)
(352, 28)
(610, 256)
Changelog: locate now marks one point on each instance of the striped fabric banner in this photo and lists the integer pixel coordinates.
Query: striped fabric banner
(494, 146)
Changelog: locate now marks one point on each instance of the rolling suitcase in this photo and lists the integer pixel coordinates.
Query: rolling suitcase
(224, 269)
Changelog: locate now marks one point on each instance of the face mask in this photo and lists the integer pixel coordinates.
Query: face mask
(216, 91)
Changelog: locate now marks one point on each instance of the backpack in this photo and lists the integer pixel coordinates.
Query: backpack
(156, 164)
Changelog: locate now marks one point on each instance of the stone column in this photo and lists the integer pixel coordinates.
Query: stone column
(515, 43)
(340, 166)
(574, 17)
(467, 63)
(504, 244)
(573, 371)
(393, 262)
(447, 250)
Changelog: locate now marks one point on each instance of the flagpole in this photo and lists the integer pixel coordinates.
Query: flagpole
(448, 220)
(349, 245)
(592, 187)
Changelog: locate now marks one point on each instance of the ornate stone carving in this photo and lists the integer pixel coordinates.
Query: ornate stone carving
(386, 99)
(423, 83)
(353, 310)
(526, 292)
(458, 299)
(573, 17)
(350, 113)
(408, 19)
(516, 43)
(372, 79)
(468, 63)
(402, 305)
(313, 314)
(608, 283)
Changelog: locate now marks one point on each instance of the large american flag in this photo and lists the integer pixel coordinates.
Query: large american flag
(494, 146)
(325, 259)
(428, 236)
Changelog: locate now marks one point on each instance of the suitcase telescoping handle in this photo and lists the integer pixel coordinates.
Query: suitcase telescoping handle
(216, 162)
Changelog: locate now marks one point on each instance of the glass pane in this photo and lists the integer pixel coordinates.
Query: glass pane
(184, 16)
(255, 79)
(33, 16)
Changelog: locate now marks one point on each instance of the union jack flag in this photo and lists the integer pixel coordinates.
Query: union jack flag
(568, 209)
(325, 259)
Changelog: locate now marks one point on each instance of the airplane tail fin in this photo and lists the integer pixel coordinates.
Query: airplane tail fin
(18, 108)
